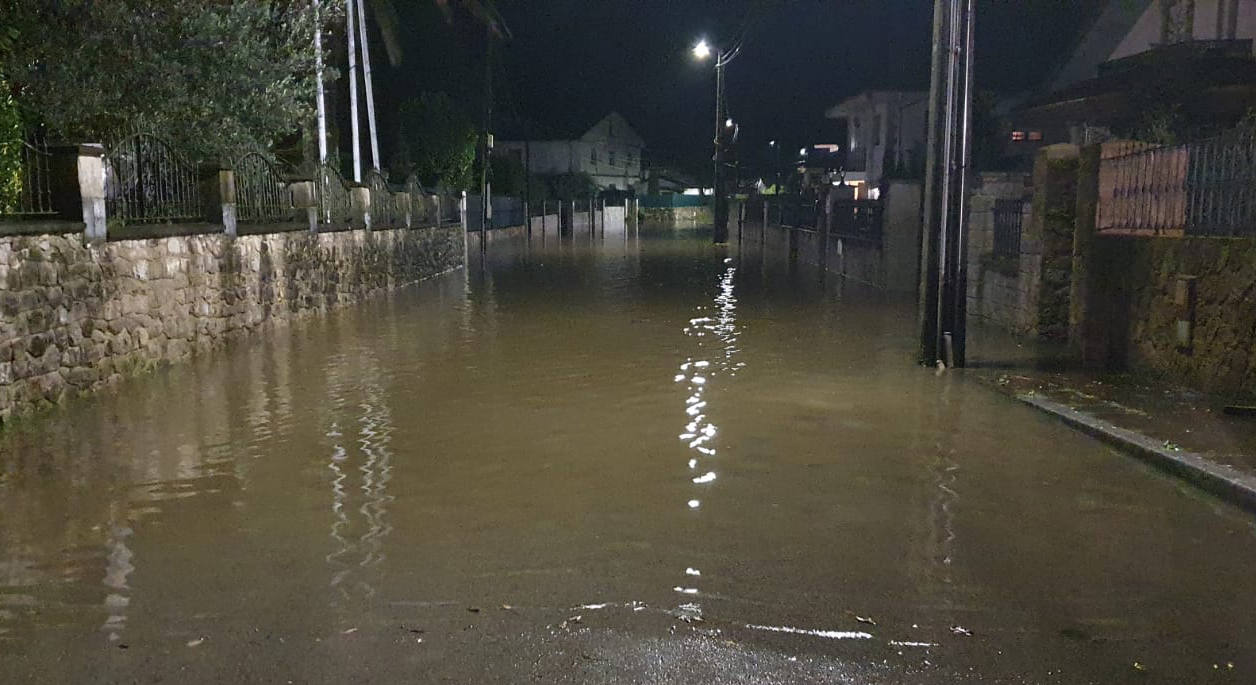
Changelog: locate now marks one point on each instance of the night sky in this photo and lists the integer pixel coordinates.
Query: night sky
(571, 61)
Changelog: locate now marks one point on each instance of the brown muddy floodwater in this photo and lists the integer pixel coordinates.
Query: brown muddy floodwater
(648, 460)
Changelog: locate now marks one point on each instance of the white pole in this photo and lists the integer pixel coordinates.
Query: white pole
(353, 92)
(370, 93)
(318, 70)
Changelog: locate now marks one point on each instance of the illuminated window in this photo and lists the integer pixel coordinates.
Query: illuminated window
(1018, 136)
(1035, 135)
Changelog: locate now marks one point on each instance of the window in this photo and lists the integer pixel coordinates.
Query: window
(876, 131)
(1035, 135)
(1018, 136)
(610, 158)
(593, 155)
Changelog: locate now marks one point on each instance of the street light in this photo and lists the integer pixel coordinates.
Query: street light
(701, 51)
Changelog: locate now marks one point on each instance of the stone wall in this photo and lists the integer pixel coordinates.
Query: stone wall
(998, 295)
(1138, 314)
(75, 317)
(1051, 230)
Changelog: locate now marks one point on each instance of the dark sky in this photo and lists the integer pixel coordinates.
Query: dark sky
(571, 61)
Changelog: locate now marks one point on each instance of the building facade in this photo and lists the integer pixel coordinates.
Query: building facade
(610, 152)
(885, 135)
(1144, 65)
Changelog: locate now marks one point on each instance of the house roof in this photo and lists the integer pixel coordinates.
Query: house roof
(1096, 45)
(852, 104)
(573, 126)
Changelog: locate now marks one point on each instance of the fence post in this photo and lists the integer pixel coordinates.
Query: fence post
(359, 206)
(77, 187)
(218, 194)
(462, 221)
(304, 198)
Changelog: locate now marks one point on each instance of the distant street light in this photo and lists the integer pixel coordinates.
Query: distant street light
(702, 51)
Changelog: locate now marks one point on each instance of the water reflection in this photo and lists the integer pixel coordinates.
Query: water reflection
(361, 469)
(699, 375)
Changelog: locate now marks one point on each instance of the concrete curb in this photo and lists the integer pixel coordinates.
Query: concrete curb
(1223, 481)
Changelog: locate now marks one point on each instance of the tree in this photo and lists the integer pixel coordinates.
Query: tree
(213, 77)
(436, 142)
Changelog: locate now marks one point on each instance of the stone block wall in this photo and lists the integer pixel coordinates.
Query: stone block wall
(75, 317)
(1000, 293)
(1136, 314)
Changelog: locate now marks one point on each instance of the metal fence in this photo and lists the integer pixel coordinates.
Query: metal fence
(333, 197)
(424, 209)
(27, 192)
(796, 211)
(146, 181)
(1009, 218)
(1201, 188)
(384, 209)
(857, 219)
(261, 191)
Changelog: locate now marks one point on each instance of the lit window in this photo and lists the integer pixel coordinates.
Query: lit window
(1035, 135)
(1018, 136)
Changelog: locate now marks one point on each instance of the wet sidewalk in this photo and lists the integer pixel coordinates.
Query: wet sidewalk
(1181, 430)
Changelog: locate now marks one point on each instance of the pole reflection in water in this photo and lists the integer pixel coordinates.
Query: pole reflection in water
(118, 568)
(700, 431)
(359, 514)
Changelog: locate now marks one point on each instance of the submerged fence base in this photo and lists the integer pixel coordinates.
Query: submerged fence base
(76, 317)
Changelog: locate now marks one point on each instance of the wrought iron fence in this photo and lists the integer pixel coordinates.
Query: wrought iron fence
(383, 205)
(423, 209)
(147, 181)
(1009, 217)
(857, 219)
(796, 211)
(261, 192)
(449, 208)
(333, 196)
(1204, 188)
(26, 192)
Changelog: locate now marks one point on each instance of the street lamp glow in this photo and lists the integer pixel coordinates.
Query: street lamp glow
(803, 152)
(728, 123)
(702, 50)
(771, 143)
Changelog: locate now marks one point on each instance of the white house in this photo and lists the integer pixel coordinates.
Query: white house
(610, 152)
(885, 130)
(1130, 27)
(1191, 58)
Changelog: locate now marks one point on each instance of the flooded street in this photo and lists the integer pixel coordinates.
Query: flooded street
(646, 460)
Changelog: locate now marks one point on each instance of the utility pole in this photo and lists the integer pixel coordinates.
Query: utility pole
(944, 241)
(370, 91)
(320, 101)
(717, 179)
(353, 93)
(486, 142)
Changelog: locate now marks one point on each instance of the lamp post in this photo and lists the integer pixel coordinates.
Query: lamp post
(702, 51)
(776, 164)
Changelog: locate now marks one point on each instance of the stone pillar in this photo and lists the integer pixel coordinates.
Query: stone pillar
(77, 182)
(462, 221)
(1085, 324)
(402, 219)
(305, 199)
(359, 206)
(218, 194)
